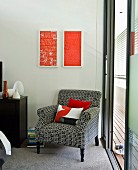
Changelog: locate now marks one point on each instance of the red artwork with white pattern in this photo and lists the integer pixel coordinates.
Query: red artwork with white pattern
(48, 48)
(72, 48)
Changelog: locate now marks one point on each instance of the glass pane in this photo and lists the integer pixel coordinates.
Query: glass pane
(133, 89)
(119, 80)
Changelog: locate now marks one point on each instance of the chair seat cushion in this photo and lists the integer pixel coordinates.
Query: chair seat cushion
(60, 133)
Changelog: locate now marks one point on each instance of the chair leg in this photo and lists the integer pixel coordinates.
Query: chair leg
(38, 147)
(96, 141)
(82, 154)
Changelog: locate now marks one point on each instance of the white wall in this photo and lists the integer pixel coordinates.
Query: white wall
(20, 21)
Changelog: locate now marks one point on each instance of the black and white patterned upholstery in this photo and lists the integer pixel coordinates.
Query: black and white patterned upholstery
(78, 135)
(2, 155)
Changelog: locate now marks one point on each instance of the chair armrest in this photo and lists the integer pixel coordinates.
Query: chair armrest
(47, 114)
(86, 118)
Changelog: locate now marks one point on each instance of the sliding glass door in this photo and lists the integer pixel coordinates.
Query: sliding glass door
(114, 80)
(132, 159)
(120, 86)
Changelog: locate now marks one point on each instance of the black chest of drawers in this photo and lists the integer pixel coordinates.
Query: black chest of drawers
(13, 119)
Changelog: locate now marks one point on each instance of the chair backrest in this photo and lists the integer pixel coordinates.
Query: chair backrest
(85, 95)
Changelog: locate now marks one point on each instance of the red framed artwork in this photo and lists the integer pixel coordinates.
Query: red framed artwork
(48, 48)
(72, 49)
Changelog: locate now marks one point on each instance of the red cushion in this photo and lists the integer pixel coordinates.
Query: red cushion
(79, 104)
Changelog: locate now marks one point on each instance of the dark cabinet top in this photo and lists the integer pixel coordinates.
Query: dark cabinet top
(10, 99)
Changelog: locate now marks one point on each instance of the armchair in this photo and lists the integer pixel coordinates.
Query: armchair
(78, 135)
(2, 155)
